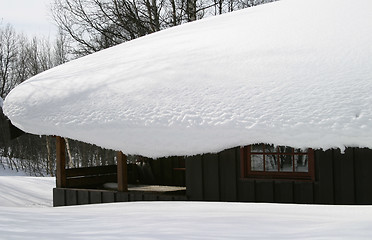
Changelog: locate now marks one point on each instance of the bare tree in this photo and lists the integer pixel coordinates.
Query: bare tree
(98, 24)
(8, 58)
(61, 49)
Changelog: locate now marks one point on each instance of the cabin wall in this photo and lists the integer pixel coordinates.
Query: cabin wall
(340, 178)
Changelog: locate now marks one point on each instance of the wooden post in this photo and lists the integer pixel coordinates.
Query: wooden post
(61, 163)
(122, 172)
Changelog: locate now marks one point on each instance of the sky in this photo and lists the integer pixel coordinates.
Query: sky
(32, 17)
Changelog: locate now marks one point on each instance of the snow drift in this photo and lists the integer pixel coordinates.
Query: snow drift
(293, 72)
(27, 213)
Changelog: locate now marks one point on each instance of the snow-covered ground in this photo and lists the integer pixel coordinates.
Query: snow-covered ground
(19, 190)
(26, 213)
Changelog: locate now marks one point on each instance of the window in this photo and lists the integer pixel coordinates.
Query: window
(277, 162)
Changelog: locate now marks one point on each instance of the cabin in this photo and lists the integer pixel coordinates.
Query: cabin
(255, 173)
(267, 104)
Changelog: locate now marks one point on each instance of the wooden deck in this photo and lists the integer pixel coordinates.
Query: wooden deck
(75, 196)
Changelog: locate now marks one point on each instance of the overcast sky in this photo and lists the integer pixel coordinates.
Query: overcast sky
(31, 17)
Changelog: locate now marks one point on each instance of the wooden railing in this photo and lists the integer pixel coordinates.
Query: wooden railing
(90, 176)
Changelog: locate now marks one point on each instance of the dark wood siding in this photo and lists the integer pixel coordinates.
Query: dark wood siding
(213, 177)
(344, 179)
(363, 176)
(194, 178)
(324, 177)
(246, 190)
(303, 192)
(211, 181)
(69, 196)
(340, 178)
(283, 192)
(228, 175)
(264, 191)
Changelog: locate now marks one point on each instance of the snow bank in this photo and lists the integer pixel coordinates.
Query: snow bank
(190, 220)
(18, 190)
(26, 213)
(293, 72)
(22, 191)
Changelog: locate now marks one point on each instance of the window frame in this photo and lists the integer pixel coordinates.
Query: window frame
(247, 172)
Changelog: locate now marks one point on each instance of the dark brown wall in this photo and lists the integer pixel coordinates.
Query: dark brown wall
(213, 177)
(340, 178)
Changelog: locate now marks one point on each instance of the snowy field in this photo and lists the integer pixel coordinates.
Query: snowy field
(26, 213)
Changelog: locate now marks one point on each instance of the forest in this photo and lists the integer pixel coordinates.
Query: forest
(84, 27)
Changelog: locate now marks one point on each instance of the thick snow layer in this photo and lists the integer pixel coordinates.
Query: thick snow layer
(19, 190)
(26, 213)
(23, 191)
(292, 72)
(187, 220)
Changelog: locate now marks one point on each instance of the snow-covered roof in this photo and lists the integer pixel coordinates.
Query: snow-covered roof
(292, 72)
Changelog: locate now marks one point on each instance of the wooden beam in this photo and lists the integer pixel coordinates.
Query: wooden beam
(61, 163)
(91, 171)
(89, 181)
(122, 172)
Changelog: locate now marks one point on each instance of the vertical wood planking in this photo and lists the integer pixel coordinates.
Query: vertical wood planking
(135, 196)
(95, 197)
(264, 191)
(246, 190)
(363, 176)
(344, 176)
(108, 197)
(59, 198)
(61, 163)
(283, 191)
(303, 192)
(228, 175)
(83, 197)
(211, 179)
(194, 178)
(122, 172)
(71, 197)
(122, 197)
(150, 197)
(324, 191)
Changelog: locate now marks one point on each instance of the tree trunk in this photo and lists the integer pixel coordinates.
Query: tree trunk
(191, 10)
(49, 158)
(70, 163)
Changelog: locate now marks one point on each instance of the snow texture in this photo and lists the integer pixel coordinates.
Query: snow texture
(292, 72)
(19, 190)
(26, 213)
